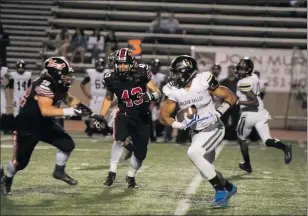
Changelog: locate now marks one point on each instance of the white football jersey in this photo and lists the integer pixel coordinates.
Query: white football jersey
(197, 95)
(158, 78)
(97, 82)
(3, 71)
(250, 83)
(20, 82)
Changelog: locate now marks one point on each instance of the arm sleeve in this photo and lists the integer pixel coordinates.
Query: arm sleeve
(11, 84)
(29, 82)
(44, 91)
(85, 80)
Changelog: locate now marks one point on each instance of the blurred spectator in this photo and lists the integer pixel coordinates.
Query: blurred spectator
(50, 43)
(230, 118)
(4, 42)
(111, 43)
(171, 25)
(96, 44)
(78, 44)
(156, 24)
(216, 70)
(63, 42)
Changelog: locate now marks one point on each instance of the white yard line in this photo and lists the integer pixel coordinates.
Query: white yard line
(184, 204)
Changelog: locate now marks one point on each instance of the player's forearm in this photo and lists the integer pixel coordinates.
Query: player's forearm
(168, 121)
(83, 89)
(106, 106)
(251, 103)
(52, 111)
(71, 100)
(114, 103)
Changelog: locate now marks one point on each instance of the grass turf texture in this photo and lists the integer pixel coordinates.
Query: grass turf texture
(273, 187)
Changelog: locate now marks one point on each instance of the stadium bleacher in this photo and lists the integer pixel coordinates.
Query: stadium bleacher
(265, 25)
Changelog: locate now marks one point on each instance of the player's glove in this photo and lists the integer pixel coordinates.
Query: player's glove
(85, 111)
(100, 122)
(186, 123)
(147, 96)
(72, 112)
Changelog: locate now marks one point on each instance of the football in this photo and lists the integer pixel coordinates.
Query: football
(190, 113)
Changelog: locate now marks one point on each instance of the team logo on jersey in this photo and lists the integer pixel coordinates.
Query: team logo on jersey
(53, 63)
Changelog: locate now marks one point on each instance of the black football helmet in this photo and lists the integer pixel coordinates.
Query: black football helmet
(60, 69)
(122, 58)
(182, 70)
(21, 66)
(155, 66)
(244, 68)
(100, 65)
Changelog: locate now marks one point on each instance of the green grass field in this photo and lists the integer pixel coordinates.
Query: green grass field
(272, 189)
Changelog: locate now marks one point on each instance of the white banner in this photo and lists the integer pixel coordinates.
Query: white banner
(274, 65)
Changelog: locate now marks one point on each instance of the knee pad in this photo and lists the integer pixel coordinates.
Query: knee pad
(194, 152)
(12, 169)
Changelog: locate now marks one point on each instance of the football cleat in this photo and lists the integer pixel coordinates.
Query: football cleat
(232, 191)
(288, 154)
(6, 184)
(131, 182)
(110, 178)
(246, 167)
(221, 198)
(64, 177)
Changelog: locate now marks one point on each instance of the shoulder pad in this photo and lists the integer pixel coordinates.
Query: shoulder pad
(168, 90)
(211, 81)
(44, 89)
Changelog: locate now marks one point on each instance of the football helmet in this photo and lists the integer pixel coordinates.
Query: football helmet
(155, 66)
(244, 68)
(124, 63)
(60, 69)
(100, 65)
(21, 66)
(182, 70)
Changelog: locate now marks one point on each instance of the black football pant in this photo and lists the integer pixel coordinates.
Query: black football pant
(137, 128)
(25, 142)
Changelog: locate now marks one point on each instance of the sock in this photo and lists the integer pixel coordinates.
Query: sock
(129, 147)
(59, 168)
(245, 151)
(61, 158)
(135, 164)
(275, 143)
(116, 153)
(10, 170)
(216, 183)
(224, 181)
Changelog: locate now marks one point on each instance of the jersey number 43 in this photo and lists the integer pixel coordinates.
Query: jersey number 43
(129, 102)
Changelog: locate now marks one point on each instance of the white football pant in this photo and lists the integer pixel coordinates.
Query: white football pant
(248, 120)
(3, 102)
(96, 104)
(202, 149)
(16, 105)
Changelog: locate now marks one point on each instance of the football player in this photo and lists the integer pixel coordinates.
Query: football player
(4, 76)
(189, 88)
(35, 121)
(253, 113)
(20, 81)
(129, 82)
(98, 90)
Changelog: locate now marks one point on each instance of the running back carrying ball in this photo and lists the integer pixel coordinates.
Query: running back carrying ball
(190, 113)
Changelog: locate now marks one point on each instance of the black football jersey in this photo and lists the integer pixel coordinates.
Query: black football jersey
(30, 117)
(127, 90)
